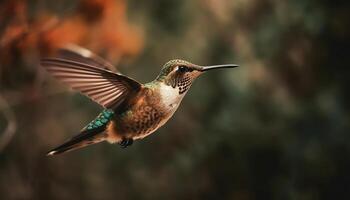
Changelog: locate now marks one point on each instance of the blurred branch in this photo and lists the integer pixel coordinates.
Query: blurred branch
(10, 130)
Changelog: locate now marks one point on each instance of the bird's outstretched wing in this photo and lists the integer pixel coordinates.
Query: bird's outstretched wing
(79, 54)
(105, 87)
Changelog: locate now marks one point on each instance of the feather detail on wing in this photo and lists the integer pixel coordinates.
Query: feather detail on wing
(105, 87)
(82, 55)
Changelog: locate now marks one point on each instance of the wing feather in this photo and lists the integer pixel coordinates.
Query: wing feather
(82, 55)
(107, 88)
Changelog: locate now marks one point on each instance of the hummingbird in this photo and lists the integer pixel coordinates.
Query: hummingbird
(132, 110)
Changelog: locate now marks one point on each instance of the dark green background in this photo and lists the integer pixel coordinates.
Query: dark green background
(275, 128)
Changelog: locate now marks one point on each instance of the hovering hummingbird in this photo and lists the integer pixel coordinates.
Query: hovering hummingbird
(131, 110)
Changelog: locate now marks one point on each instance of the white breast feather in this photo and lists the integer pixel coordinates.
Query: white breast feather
(170, 96)
(171, 99)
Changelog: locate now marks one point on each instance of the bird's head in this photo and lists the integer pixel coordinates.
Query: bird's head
(181, 74)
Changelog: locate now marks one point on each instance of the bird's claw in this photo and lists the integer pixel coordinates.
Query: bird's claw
(126, 142)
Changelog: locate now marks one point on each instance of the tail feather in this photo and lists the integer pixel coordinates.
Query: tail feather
(85, 138)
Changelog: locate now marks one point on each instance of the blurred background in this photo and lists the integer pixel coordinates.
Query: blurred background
(275, 128)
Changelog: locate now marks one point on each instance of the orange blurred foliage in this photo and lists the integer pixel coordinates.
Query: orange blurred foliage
(100, 25)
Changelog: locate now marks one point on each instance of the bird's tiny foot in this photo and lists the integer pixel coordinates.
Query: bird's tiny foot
(126, 142)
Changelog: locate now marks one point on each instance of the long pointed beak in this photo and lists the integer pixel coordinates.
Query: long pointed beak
(207, 68)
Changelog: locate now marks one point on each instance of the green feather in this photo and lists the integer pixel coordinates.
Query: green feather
(101, 120)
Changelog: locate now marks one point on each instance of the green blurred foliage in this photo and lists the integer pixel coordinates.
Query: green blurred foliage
(275, 128)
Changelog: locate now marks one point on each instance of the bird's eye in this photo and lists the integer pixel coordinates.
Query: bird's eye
(182, 68)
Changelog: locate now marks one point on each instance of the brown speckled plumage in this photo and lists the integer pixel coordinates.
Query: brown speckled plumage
(140, 116)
